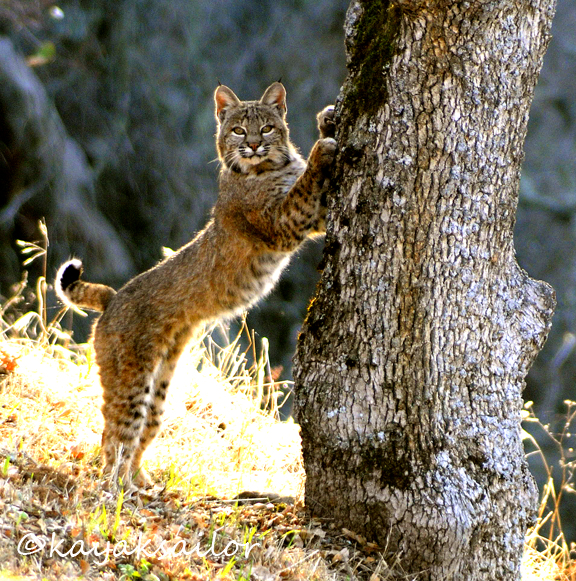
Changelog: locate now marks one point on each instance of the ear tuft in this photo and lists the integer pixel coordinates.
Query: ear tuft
(275, 96)
(224, 98)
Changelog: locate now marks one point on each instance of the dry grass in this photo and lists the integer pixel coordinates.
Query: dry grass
(221, 436)
(548, 556)
(218, 426)
(213, 429)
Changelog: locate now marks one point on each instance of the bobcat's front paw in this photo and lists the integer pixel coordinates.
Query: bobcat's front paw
(326, 123)
(323, 154)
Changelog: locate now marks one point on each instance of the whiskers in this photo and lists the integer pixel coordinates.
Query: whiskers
(243, 159)
(285, 154)
(233, 160)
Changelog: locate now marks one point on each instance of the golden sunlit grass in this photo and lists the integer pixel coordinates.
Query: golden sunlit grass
(216, 426)
(216, 438)
(221, 436)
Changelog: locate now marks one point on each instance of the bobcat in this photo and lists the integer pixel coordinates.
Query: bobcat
(269, 202)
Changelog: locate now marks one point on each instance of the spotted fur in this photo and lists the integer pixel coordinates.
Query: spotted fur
(269, 202)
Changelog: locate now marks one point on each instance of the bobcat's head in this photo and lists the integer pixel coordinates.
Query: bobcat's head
(252, 136)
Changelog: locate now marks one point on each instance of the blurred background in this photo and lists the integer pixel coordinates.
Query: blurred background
(107, 132)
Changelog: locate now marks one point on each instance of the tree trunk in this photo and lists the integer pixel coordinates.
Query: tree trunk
(412, 359)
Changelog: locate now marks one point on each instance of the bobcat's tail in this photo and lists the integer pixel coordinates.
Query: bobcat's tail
(76, 293)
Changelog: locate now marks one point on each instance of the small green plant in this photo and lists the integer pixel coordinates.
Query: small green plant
(22, 516)
(128, 571)
(142, 571)
(245, 573)
(98, 520)
(229, 566)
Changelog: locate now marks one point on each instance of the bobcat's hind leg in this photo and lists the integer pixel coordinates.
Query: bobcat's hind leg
(126, 406)
(156, 409)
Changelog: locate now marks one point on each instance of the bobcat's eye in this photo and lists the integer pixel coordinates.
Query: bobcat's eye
(239, 130)
(266, 129)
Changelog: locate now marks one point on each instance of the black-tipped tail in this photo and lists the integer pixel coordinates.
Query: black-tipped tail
(74, 292)
(67, 275)
(70, 273)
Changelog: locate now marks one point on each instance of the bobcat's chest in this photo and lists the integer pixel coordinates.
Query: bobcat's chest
(254, 282)
(266, 269)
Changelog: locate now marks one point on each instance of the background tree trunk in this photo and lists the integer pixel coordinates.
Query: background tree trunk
(412, 359)
(45, 174)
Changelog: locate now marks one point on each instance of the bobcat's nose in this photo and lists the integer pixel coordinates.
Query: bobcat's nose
(253, 146)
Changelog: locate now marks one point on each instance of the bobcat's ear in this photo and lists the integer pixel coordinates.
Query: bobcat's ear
(275, 96)
(224, 98)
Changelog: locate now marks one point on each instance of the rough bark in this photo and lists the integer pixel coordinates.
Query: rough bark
(412, 359)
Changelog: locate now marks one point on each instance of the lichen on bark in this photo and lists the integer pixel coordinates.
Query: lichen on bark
(371, 31)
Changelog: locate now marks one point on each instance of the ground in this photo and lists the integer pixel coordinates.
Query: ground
(221, 438)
